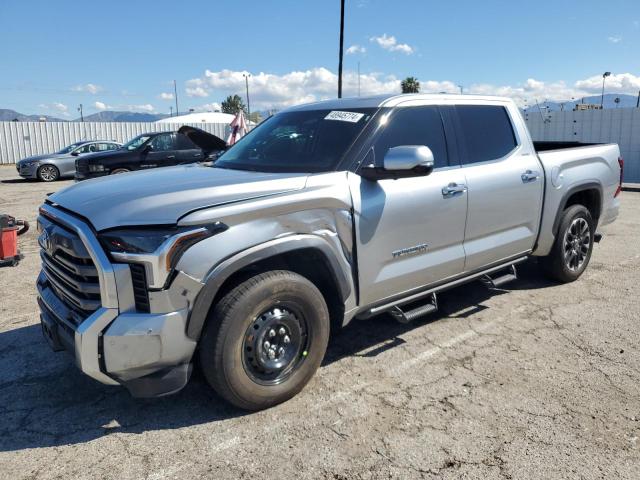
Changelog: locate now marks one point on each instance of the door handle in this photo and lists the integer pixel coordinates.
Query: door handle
(452, 189)
(530, 176)
(170, 157)
(197, 154)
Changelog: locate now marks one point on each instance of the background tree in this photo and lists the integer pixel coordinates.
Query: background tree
(410, 85)
(233, 104)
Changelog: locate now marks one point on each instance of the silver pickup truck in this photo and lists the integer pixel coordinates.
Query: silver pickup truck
(323, 213)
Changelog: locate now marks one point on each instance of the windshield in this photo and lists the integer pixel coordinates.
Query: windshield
(299, 142)
(136, 142)
(70, 148)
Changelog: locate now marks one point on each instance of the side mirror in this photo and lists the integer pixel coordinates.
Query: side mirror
(147, 148)
(75, 153)
(402, 162)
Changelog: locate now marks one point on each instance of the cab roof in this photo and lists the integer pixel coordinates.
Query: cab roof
(391, 100)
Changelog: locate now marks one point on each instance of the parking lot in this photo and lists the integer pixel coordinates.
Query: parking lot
(536, 381)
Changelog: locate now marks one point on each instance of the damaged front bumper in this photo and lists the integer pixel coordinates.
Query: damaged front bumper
(147, 352)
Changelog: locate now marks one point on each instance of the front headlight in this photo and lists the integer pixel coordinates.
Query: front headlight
(158, 249)
(96, 168)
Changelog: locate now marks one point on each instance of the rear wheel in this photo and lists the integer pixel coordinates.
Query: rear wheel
(265, 339)
(573, 245)
(48, 173)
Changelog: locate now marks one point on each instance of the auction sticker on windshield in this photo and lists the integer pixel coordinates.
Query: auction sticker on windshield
(352, 117)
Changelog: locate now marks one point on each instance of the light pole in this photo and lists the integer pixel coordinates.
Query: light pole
(604, 76)
(246, 82)
(175, 93)
(171, 111)
(80, 110)
(341, 46)
(460, 87)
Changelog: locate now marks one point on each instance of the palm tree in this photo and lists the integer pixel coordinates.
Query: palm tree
(410, 85)
(233, 104)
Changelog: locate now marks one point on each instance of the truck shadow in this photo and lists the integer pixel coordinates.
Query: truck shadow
(45, 401)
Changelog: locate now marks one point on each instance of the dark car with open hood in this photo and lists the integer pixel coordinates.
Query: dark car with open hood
(152, 150)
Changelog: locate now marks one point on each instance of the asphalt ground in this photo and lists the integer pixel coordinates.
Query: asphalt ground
(539, 380)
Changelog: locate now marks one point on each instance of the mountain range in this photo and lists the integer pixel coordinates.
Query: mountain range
(7, 115)
(626, 101)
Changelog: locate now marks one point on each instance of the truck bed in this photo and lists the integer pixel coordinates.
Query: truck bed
(545, 146)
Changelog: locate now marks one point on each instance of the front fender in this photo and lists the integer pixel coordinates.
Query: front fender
(339, 267)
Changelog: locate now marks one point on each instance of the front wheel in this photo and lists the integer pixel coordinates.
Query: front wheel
(572, 247)
(265, 339)
(48, 173)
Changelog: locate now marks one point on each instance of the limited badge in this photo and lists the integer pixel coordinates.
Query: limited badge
(352, 117)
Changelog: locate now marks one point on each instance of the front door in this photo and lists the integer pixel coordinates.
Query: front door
(410, 231)
(505, 184)
(163, 151)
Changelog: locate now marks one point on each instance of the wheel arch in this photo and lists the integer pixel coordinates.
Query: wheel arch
(587, 194)
(307, 255)
(47, 163)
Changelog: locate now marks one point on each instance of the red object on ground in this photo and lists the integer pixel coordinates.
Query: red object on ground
(10, 228)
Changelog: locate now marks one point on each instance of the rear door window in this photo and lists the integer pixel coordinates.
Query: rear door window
(414, 126)
(184, 143)
(486, 132)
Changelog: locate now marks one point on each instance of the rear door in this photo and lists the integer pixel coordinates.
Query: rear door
(187, 151)
(505, 183)
(409, 231)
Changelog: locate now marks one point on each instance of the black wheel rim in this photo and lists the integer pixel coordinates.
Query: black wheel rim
(577, 242)
(275, 345)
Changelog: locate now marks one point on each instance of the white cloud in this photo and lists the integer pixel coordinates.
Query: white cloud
(353, 49)
(147, 107)
(615, 38)
(269, 90)
(60, 107)
(389, 42)
(101, 106)
(88, 88)
(57, 107)
(618, 82)
(196, 91)
(208, 107)
(166, 96)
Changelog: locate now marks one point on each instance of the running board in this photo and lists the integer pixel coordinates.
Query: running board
(405, 317)
(497, 282)
(445, 286)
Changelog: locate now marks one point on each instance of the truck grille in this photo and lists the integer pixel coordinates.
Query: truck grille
(68, 272)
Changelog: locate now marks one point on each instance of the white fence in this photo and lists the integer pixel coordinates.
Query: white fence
(24, 139)
(614, 125)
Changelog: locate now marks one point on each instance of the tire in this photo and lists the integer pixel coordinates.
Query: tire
(119, 170)
(571, 250)
(48, 173)
(233, 353)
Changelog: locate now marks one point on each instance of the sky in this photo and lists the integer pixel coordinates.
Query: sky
(124, 55)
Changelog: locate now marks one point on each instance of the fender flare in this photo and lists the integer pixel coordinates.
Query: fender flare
(222, 271)
(575, 189)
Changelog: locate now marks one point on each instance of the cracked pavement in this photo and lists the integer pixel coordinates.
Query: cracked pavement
(535, 381)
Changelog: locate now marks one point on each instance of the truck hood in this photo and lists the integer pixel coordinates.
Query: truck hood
(100, 157)
(162, 196)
